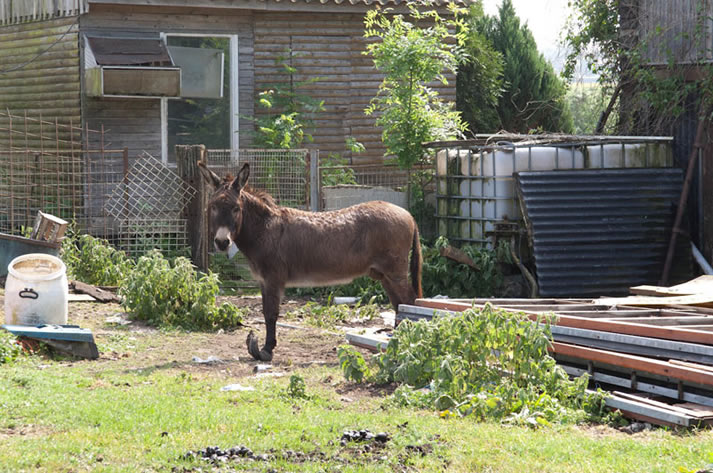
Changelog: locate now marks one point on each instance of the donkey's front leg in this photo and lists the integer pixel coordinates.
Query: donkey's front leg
(271, 295)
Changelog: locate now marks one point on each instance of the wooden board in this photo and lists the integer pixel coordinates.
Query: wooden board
(700, 285)
(704, 300)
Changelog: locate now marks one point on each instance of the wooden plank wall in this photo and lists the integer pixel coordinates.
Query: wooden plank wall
(333, 52)
(668, 27)
(19, 11)
(39, 72)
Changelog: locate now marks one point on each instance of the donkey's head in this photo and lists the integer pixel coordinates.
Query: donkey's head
(224, 208)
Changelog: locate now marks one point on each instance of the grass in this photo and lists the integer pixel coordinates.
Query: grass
(143, 405)
(146, 420)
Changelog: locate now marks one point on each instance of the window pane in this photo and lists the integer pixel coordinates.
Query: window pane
(193, 121)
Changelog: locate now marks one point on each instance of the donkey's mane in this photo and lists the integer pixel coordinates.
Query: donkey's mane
(260, 194)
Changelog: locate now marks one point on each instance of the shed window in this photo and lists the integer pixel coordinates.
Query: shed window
(203, 114)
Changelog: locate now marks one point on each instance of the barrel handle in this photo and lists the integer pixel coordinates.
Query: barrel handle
(29, 293)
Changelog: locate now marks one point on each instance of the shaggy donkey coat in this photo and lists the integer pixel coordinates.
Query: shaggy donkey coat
(287, 247)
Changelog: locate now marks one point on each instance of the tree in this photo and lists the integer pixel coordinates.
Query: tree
(618, 40)
(533, 96)
(413, 52)
(480, 80)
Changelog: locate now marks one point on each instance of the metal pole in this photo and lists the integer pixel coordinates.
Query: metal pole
(314, 183)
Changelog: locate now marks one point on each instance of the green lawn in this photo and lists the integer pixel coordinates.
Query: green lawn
(144, 404)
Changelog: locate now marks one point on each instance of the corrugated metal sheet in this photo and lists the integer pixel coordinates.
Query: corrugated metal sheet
(599, 232)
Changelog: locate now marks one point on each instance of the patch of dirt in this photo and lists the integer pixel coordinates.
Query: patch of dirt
(138, 347)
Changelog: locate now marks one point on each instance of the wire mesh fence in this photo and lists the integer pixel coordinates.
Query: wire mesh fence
(64, 170)
(283, 173)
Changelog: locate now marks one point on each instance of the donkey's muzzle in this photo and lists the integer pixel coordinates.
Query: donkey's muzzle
(221, 244)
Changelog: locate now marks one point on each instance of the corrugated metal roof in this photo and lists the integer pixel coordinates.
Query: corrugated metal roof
(599, 232)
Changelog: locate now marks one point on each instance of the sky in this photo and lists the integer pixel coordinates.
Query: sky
(545, 18)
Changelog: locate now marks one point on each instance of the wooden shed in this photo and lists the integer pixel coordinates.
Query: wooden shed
(675, 39)
(164, 72)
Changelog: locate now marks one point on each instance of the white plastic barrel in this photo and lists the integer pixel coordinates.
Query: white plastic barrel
(36, 290)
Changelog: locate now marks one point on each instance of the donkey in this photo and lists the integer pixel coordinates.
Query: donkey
(287, 247)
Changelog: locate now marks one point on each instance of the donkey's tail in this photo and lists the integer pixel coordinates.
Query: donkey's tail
(416, 264)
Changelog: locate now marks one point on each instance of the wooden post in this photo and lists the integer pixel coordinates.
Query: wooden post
(187, 158)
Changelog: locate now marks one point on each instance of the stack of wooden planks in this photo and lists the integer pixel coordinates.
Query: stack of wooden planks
(653, 350)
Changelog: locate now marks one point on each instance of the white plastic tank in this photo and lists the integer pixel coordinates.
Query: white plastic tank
(36, 290)
(479, 182)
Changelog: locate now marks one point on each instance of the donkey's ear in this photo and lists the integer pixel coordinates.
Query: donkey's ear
(242, 179)
(209, 176)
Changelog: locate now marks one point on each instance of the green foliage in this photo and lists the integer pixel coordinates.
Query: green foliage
(533, 96)
(353, 364)
(93, 260)
(423, 212)
(287, 111)
(9, 348)
(335, 170)
(485, 363)
(332, 314)
(410, 57)
(363, 288)
(480, 78)
(176, 295)
(586, 101)
(443, 276)
(297, 389)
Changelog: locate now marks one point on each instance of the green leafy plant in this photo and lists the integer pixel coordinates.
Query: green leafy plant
(335, 170)
(486, 363)
(9, 348)
(297, 389)
(175, 294)
(353, 364)
(332, 314)
(286, 112)
(410, 57)
(93, 260)
(443, 276)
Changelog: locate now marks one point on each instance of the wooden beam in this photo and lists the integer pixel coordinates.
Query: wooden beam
(628, 328)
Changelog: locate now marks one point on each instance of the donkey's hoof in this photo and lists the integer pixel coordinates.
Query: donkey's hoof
(254, 346)
(265, 355)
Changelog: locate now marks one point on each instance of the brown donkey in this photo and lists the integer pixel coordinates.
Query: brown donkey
(292, 248)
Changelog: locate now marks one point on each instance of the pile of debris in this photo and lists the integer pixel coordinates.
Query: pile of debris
(653, 350)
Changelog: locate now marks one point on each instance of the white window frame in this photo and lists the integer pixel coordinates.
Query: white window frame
(234, 93)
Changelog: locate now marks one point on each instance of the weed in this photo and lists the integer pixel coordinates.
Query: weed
(93, 260)
(329, 315)
(353, 364)
(176, 295)
(9, 348)
(486, 363)
(297, 389)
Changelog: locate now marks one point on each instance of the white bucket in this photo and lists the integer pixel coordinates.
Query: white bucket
(36, 290)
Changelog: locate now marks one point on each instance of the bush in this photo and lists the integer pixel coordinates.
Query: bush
(9, 348)
(94, 261)
(486, 363)
(442, 276)
(176, 295)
